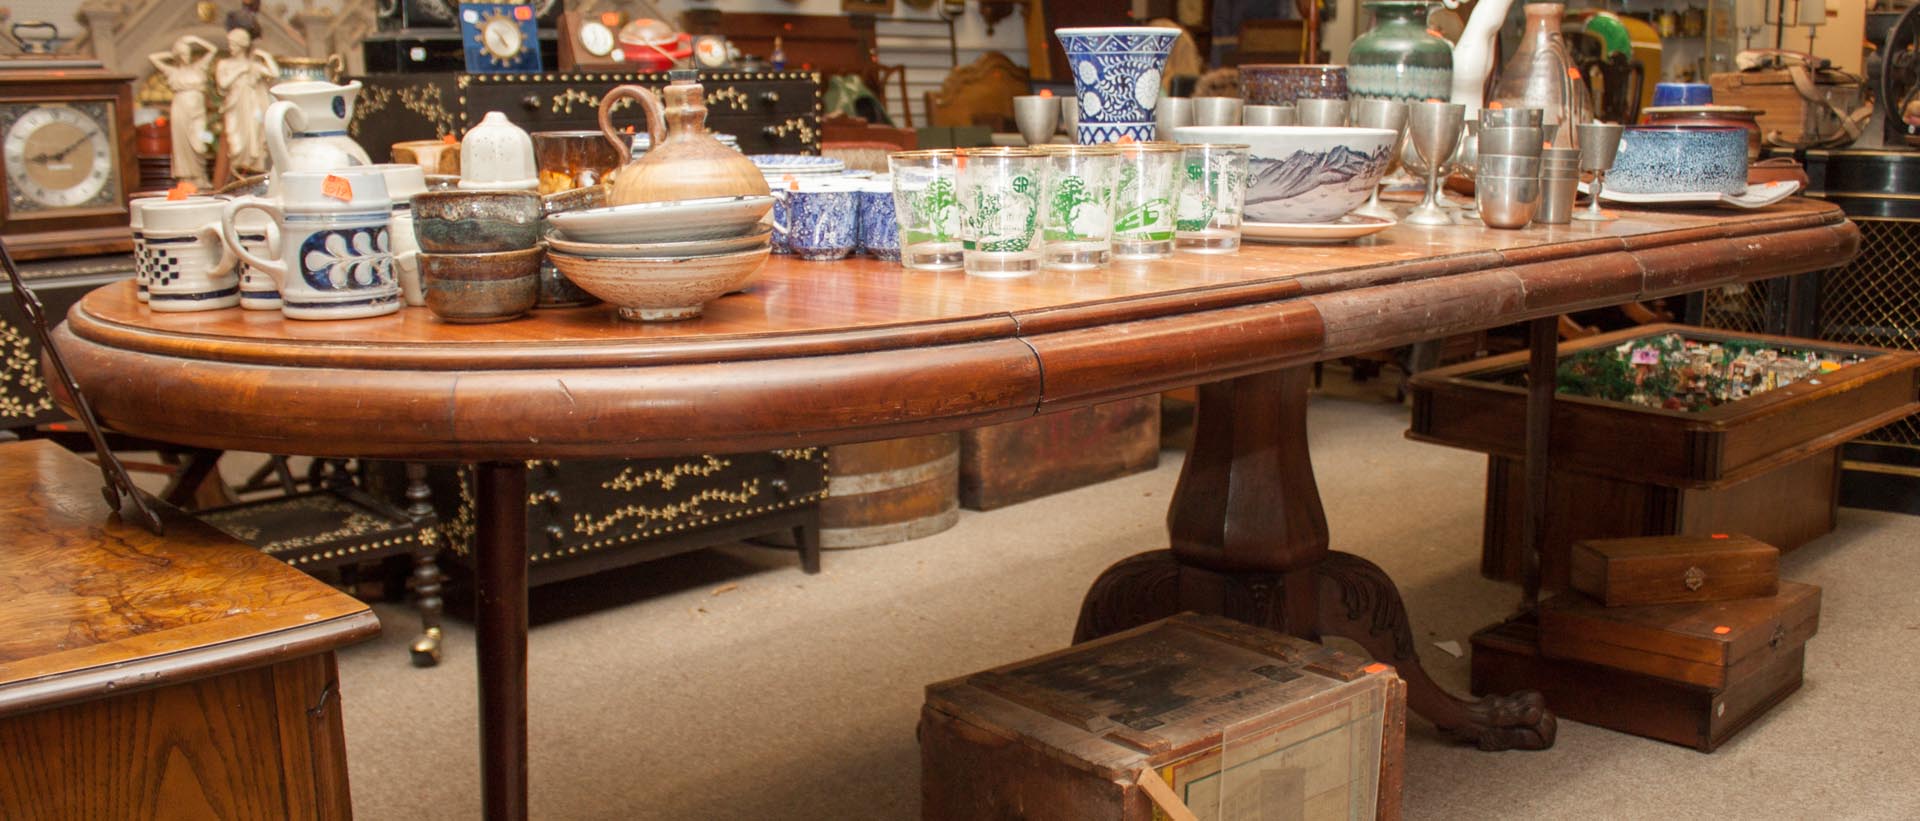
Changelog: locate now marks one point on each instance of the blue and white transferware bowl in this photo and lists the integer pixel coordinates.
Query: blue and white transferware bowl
(1671, 160)
(1116, 78)
(777, 164)
(1303, 173)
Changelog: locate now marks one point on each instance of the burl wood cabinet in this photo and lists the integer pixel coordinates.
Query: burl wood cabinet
(158, 677)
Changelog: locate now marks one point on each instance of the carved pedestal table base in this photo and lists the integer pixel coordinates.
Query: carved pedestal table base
(1250, 542)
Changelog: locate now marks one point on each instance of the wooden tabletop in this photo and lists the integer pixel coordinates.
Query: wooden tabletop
(826, 352)
(91, 606)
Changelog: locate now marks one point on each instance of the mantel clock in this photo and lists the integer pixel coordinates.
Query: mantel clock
(66, 145)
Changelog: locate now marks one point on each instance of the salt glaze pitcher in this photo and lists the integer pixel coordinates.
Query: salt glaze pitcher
(307, 127)
(336, 245)
(686, 162)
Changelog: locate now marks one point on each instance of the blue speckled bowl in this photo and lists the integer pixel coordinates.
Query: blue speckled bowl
(1671, 160)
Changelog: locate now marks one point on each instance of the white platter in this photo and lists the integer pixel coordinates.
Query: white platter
(654, 250)
(1351, 226)
(1756, 196)
(671, 221)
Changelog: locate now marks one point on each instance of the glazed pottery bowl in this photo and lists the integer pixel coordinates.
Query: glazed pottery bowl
(1116, 78)
(476, 222)
(756, 238)
(1723, 116)
(1671, 160)
(662, 288)
(471, 288)
(1279, 84)
(1303, 174)
(665, 221)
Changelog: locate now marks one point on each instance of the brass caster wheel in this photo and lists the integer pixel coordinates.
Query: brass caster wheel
(426, 649)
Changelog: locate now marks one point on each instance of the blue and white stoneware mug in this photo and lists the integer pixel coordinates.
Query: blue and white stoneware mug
(188, 267)
(259, 234)
(821, 220)
(879, 232)
(336, 252)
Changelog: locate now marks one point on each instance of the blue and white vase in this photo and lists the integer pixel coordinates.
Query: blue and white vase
(1116, 78)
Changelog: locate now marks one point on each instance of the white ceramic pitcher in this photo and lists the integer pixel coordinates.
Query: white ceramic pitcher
(307, 127)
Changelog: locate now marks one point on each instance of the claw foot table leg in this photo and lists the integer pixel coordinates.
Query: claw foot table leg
(1250, 542)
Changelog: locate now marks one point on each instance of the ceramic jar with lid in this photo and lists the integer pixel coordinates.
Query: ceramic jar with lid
(497, 155)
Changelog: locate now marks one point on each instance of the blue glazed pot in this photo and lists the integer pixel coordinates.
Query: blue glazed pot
(1116, 77)
(1667, 94)
(1671, 160)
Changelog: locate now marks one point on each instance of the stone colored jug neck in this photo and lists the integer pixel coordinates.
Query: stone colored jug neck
(685, 161)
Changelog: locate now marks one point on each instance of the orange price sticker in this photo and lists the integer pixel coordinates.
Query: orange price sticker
(1375, 667)
(1046, 92)
(523, 13)
(449, 139)
(1573, 73)
(1495, 105)
(1722, 630)
(610, 18)
(337, 187)
(183, 190)
(1719, 536)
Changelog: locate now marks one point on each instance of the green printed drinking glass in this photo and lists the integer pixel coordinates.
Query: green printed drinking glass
(1213, 190)
(926, 199)
(1000, 210)
(1076, 199)
(1143, 200)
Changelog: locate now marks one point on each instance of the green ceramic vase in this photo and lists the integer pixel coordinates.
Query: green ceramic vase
(1398, 59)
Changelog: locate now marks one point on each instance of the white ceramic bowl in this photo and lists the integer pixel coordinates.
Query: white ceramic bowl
(663, 288)
(1301, 173)
(665, 221)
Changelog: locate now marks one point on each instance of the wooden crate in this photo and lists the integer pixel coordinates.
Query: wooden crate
(1766, 465)
(1013, 462)
(1708, 644)
(1507, 658)
(1673, 569)
(1238, 721)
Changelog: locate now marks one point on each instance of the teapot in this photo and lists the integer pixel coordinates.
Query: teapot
(685, 162)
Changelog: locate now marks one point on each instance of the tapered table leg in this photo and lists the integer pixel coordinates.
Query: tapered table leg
(1249, 541)
(501, 621)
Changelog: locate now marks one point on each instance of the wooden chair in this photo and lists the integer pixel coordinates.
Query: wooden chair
(978, 93)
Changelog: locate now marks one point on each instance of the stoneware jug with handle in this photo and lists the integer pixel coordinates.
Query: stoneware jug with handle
(307, 127)
(686, 162)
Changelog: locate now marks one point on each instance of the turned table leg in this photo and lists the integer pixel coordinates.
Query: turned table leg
(1249, 541)
(501, 648)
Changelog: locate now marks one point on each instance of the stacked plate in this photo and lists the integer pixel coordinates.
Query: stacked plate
(662, 260)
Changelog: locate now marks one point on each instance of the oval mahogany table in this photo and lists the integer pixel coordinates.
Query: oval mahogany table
(823, 353)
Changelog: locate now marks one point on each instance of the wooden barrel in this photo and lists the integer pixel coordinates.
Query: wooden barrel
(891, 491)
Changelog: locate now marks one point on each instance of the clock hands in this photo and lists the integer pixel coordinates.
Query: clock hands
(45, 157)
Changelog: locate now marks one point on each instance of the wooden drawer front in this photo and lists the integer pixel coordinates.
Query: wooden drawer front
(768, 112)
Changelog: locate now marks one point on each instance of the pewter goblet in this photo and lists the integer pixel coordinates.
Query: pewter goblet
(1037, 118)
(1434, 129)
(1598, 143)
(1268, 115)
(1216, 110)
(1070, 117)
(1388, 114)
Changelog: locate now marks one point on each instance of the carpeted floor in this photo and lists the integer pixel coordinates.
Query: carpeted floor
(728, 685)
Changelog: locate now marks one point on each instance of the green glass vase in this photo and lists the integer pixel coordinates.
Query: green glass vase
(1398, 59)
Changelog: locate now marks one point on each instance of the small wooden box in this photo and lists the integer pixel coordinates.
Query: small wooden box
(1674, 569)
(1013, 462)
(1506, 658)
(1707, 644)
(1241, 723)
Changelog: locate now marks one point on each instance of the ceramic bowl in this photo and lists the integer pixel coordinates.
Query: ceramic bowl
(1302, 174)
(472, 288)
(665, 221)
(1281, 84)
(476, 222)
(578, 199)
(759, 236)
(1726, 116)
(1672, 94)
(1668, 160)
(665, 288)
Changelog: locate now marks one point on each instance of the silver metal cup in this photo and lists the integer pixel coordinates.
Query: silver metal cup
(1507, 165)
(1171, 113)
(1216, 111)
(1070, 116)
(1507, 202)
(1321, 113)
(1510, 140)
(1268, 115)
(1598, 144)
(1556, 200)
(1510, 117)
(1037, 118)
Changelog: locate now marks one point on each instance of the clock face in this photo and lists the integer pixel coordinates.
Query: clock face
(59, 156)
(501, 38)
(596, 38)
